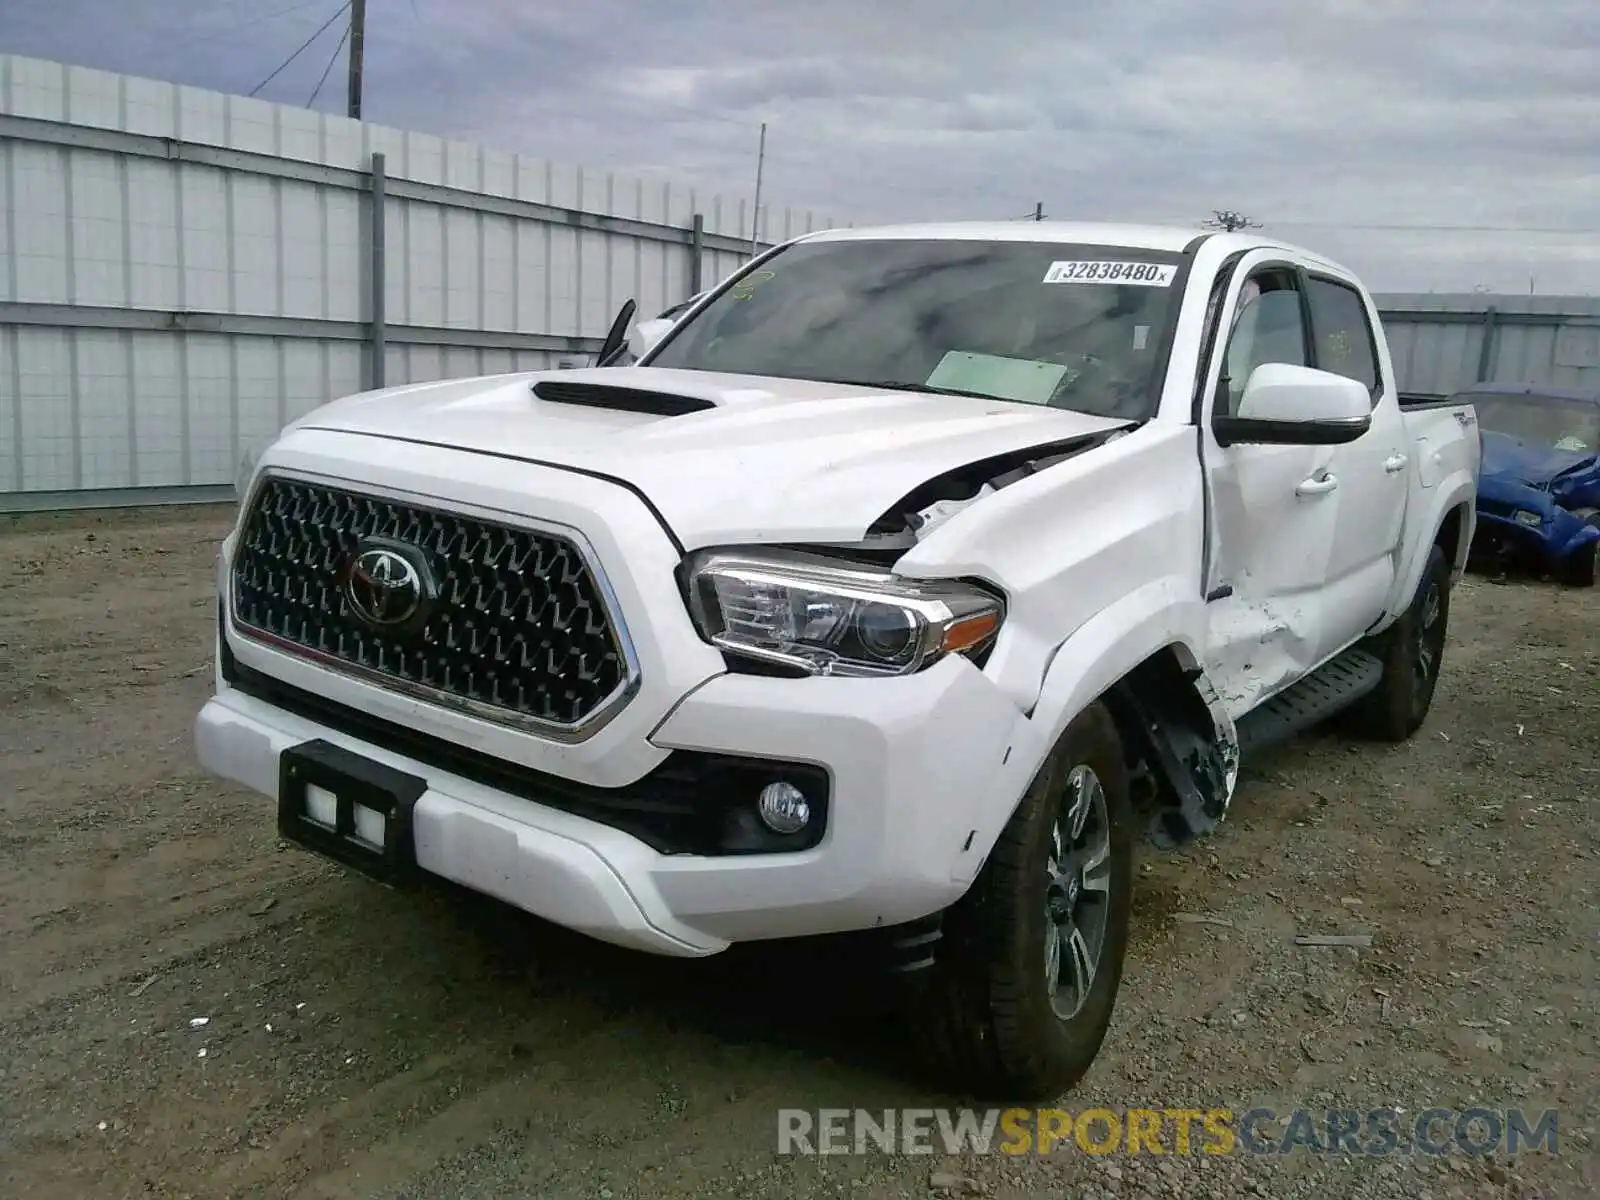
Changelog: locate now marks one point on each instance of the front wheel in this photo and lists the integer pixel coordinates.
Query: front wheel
(1412, 650)
(1019, 998)
(1580, 569)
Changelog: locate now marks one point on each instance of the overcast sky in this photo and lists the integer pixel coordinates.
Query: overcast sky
(1362, 128)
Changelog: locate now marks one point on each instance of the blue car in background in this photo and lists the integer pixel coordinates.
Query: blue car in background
(1539, 490)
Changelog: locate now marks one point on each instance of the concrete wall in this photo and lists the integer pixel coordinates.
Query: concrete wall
(183, 271)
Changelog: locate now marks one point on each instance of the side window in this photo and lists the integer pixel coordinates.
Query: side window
(1268, 328)
(1343, 333)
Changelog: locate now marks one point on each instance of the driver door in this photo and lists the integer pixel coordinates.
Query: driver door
(1272, 511)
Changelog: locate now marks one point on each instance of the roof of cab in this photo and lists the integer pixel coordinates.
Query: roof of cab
(1163, 238)
(1145, 237)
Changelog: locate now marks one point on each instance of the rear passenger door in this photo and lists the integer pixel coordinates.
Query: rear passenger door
(1372, 471)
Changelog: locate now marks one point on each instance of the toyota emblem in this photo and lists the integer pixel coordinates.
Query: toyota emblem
(387, 586)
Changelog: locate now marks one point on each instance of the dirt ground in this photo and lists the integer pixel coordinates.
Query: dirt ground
(367, 1043)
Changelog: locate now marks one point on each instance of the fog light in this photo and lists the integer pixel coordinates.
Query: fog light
(1523, 517)
(783, 808)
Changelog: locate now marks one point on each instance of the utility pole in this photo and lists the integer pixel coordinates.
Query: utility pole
(755, 218)
(358, 37)
(1038, 211)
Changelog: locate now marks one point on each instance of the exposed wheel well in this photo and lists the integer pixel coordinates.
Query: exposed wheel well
(1167, 743)
(1448, 538)
(1173, 745)
(1161, 681)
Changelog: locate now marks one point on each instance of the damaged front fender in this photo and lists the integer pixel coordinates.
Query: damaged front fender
(1139, 656)
(1113, 526)
(923, 510)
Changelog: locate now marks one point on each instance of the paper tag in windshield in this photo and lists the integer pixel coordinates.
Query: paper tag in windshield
(1020, 379)
(1142, 274)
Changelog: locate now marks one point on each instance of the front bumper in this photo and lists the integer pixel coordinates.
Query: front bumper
(1557, 539)
(643, 834)
(911, 763)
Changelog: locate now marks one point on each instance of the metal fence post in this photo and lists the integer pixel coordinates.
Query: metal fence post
(1489, 343)
(376, 337)
(696, 247)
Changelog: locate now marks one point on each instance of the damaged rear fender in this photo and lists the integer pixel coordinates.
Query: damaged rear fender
(1456, 492)
(1161, 620)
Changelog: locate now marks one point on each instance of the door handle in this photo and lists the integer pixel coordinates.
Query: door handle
(1317, 485)
(1395, 462)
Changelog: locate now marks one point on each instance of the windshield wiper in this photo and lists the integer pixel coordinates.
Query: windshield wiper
(901, 385)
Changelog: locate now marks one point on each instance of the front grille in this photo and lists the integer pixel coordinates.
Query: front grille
(517, 625)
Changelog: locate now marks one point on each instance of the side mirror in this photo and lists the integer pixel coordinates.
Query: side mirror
(616, 336)
(1296, 406)
(646, 334)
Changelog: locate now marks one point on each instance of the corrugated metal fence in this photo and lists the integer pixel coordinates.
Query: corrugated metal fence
(1441, 343)
(183, 272)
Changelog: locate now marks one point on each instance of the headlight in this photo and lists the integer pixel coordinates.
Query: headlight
(1523, 517)
(810, 613)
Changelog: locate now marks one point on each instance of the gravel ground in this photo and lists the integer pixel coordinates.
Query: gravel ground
(364, 1043)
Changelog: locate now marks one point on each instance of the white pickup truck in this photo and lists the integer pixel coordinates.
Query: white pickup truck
(871, 599)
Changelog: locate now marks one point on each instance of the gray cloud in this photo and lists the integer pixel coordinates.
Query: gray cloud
(1331, 123)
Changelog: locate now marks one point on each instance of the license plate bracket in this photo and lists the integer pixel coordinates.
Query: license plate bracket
(363, 809)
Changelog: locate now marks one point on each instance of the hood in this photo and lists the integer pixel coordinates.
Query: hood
(1512, 460)
(724, 458)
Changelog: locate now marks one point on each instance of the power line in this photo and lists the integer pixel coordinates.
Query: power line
(1408, 227)
(1567, 231)
(303, 45)
(233, 30)
(1363, 227)
(269, 16)
(328, 70)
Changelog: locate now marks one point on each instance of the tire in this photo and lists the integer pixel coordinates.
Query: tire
(985, 1021)
(1412, 650)
(1580, 569)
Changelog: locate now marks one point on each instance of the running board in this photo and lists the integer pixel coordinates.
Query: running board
(1328, 690)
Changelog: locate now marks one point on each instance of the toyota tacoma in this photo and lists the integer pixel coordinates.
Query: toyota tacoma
(869, 599)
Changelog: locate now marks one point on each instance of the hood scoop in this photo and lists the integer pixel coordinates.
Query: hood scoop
(620, 399)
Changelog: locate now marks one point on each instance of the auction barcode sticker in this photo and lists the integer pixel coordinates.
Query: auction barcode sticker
(1145, 274)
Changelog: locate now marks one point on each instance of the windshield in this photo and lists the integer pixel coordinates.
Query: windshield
(1543, 420)
(1077, 327)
